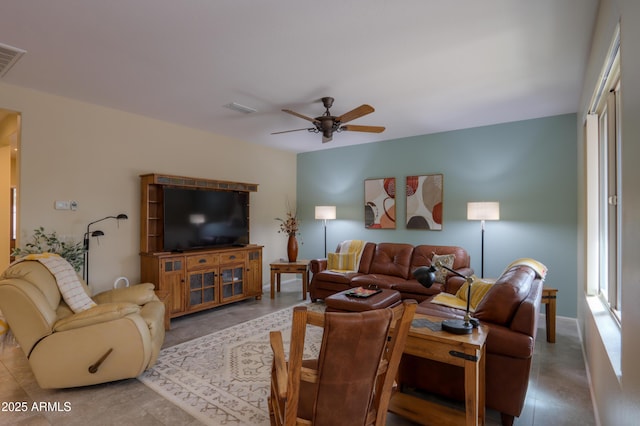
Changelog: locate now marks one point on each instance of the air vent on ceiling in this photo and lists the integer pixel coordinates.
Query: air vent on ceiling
(241, 108)
(8, 57)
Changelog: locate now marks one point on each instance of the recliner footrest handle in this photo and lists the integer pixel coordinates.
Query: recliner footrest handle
(94, 368)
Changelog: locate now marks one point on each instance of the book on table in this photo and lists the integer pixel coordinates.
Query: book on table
(362, 292)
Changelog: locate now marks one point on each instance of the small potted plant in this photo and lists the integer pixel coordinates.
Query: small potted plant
(42, 242)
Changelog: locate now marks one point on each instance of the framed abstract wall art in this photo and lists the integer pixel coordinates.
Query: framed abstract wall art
(380, 203)
(424, 202)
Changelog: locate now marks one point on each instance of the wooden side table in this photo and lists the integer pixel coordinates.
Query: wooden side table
(549, 301)
(466, 351)
(281, 267)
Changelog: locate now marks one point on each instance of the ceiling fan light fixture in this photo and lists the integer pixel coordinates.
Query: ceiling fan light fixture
(240, 108)
(327, 124)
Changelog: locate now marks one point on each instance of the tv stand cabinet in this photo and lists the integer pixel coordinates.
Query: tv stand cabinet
(194, 280)
(204, 279)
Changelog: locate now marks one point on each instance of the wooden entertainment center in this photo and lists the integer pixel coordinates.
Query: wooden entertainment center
(194, 280)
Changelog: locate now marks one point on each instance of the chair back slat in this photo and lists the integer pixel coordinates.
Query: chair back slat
(393, 355)
(298, 331)
(352, 346)
(351, 381)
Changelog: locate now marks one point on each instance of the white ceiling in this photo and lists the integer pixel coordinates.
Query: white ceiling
(426, 66)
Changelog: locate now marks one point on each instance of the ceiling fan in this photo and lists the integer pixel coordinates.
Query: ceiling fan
(327, 124)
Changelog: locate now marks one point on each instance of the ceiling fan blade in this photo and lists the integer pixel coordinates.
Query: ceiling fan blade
(304, 117)
(370, 129)
(355, 113)
(288, 131)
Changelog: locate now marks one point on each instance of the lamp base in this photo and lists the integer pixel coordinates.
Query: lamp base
(457, 326)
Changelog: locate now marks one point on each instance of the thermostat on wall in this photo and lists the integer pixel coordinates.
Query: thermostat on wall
(65, 205)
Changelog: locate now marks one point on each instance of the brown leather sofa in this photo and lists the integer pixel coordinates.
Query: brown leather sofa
(510, 310)
(390, 266)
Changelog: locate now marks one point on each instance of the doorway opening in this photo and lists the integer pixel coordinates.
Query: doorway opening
(10, 126)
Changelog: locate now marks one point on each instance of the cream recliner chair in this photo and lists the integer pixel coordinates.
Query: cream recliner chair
(117, 339)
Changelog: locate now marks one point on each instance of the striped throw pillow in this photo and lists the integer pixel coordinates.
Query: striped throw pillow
(341, 261)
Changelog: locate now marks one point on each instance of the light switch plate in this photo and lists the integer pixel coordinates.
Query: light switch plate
(61, 205)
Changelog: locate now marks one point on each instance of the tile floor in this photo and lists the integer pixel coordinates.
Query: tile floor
(558, 391)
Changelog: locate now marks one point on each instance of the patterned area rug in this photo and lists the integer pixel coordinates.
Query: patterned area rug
(224, 378)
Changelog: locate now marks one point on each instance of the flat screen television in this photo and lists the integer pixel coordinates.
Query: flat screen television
(195, 219)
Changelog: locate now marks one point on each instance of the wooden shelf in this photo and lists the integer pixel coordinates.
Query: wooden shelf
(188, 182)
(194, 280)
(152, 203)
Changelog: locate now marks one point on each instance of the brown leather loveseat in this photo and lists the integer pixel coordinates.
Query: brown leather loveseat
(390, 266)
(510, 310)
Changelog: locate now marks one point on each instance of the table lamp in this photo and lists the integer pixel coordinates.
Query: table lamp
(427, 276)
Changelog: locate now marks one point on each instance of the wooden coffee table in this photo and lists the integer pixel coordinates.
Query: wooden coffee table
(466, 351)
(282, 267)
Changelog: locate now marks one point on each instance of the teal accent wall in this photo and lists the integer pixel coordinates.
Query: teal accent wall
(530, 167)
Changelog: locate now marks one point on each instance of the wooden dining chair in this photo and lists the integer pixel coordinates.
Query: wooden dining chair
(351, 381)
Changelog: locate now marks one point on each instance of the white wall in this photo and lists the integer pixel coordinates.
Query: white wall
(617, 399)
(94, 155)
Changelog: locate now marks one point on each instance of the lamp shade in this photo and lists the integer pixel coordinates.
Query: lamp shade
(326, 212)
(483, 211)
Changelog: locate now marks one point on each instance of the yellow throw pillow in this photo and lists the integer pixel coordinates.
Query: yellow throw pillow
(341, 261)
(537, 266)
(449, 300)
(479, 289)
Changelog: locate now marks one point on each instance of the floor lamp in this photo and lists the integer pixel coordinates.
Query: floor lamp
(483, 211)
(325, 213)
(96, 233)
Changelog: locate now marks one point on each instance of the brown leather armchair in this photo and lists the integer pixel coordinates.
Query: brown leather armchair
(117, 339)
(351, 381)
(510, 310)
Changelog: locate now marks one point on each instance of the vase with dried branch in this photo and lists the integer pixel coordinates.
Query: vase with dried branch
(290, 226)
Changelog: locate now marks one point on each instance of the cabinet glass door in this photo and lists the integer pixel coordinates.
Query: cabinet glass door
(201, 288)
(232, 281)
